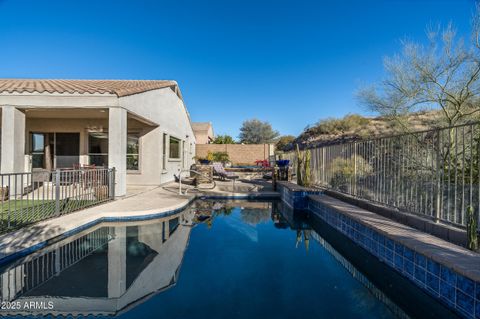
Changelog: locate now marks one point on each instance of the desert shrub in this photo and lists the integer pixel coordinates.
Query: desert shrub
(350, 122)
(343, 170)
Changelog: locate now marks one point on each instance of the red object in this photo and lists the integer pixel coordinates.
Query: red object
(262, 163)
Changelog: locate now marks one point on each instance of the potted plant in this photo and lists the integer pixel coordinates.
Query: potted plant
(205, 160)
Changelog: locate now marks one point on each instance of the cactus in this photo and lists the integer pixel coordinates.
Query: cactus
(303, 167)
(306, 169)
(472, 224)
(299, 167)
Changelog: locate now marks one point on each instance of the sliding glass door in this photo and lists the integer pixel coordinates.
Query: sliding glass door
(55, 150)
(67, 150)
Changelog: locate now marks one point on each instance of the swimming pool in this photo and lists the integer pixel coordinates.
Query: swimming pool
(215, 259)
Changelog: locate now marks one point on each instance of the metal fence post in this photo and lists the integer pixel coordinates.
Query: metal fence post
(354, 169)
(439, 182)
(112, 183)
(57, 192)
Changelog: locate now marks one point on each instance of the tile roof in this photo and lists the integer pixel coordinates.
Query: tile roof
(117, 87)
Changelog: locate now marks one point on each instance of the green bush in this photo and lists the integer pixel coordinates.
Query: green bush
(220, 157)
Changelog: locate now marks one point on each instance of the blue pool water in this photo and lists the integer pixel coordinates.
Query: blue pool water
(213, 260)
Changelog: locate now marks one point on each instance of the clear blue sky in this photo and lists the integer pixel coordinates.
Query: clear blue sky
(288, 62)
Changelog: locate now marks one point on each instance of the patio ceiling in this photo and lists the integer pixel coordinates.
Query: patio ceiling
(67, 113)
(77, 113)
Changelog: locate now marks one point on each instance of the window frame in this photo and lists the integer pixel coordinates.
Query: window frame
(170, 158)
(164, 151)
(139, 169)
(89, 154)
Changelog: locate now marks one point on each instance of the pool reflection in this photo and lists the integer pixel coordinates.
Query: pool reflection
(102, 272)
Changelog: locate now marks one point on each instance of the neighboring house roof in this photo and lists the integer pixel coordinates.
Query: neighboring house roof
(117, 87)
(201, 126)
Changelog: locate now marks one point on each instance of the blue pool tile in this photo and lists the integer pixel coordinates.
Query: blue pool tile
(368, 243)
(370, 233)
(433, 283)
(447, 292)
(361, 229)
(381, 252)
(477, 309)
(375, 248)
(466, 285)
(420, 260)
(465, 302)
(449, 276)
(389, 256)
(399, 249)
(408, 254)
(398, 262)
(433, 267)
(389, 243)
(420, 274)
(408, 267)
(477, 293)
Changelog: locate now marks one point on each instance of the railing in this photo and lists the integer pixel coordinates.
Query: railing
(433, 173)
(34, 271)
(30, 197)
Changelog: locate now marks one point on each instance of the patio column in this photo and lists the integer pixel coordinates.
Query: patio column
(13, 140)
(117, 148)
(117, 263)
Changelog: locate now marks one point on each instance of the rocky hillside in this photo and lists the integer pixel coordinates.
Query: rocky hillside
(356, 127)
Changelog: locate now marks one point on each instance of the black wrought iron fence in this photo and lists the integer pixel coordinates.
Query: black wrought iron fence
(34, 271)
(26, 198)
(433, 173)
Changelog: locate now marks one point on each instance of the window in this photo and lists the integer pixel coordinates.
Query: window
(98, 148)
(174, 148)
(38, 150)
(132, 152)
(184, 163)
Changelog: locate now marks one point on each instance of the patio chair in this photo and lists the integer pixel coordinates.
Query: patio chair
(222, 173)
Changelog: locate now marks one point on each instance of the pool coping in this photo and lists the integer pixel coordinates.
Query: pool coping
(427, 224)
(422, 242)
(9, 254)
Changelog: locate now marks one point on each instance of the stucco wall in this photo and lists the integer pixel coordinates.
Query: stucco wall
(164, 108)
(239, 154)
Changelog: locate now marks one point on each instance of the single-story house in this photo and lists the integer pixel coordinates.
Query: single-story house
(142, 128)
(203, 132)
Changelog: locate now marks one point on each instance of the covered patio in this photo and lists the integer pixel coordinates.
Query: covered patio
(47, 139)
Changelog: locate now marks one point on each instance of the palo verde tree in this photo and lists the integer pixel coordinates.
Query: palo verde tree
(443, 74)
